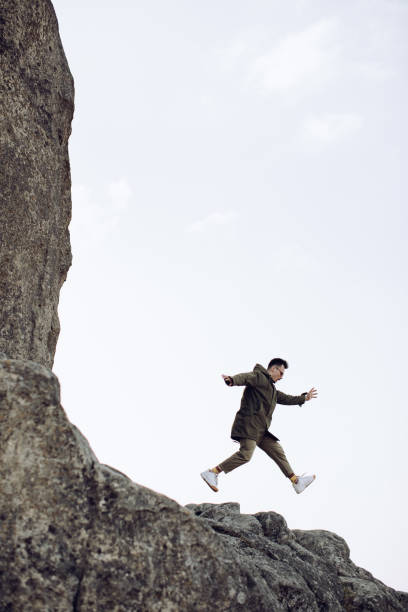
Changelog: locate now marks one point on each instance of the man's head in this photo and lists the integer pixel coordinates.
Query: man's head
(276, 368)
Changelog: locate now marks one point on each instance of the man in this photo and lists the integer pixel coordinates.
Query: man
(250, 427)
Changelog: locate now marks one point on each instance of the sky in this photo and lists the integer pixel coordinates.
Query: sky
(238, 194)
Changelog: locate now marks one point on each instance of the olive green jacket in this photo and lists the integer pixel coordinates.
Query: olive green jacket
(258, 403)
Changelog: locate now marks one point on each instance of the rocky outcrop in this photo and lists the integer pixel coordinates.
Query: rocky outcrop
(78, 535)
(36, 107)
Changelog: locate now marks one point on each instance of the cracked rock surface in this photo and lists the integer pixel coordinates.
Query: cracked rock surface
(36, 107)
(78, 535)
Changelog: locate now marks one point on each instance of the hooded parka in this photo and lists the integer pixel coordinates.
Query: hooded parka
(258, 402)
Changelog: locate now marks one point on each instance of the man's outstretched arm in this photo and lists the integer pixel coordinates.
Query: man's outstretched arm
(239, 380)
(291, 400)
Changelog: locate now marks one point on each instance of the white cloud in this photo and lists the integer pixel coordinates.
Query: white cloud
(214, 219)
(302, 59)
(119, 193)
(330, 128)
(329, 51)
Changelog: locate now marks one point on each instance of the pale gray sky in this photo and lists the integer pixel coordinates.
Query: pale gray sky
(238, 194)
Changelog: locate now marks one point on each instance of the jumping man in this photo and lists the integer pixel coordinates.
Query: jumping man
(250, 427)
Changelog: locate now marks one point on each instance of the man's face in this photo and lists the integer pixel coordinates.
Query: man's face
(276, 372)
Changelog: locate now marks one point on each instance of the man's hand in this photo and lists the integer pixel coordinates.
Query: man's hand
(311, 394)
(227, 380)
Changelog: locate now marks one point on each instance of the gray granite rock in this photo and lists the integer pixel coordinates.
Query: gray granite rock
(361, 590)
(78, 535)
(36, 107)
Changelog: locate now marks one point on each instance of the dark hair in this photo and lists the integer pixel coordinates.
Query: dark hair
(278, 362)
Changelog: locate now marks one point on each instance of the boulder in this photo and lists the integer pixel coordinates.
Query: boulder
(36, 107)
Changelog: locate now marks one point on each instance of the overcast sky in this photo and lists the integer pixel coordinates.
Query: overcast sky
(238, 194)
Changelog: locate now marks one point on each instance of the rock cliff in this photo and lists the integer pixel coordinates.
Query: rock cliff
(75, 534)
(36, 107)
(78, 535)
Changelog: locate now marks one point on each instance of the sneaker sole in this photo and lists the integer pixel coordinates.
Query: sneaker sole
(210, 485)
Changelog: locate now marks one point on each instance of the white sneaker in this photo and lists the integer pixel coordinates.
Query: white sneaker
(303, 481)
(211, 478)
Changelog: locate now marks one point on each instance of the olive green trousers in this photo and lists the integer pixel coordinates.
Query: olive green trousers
(271, 447)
